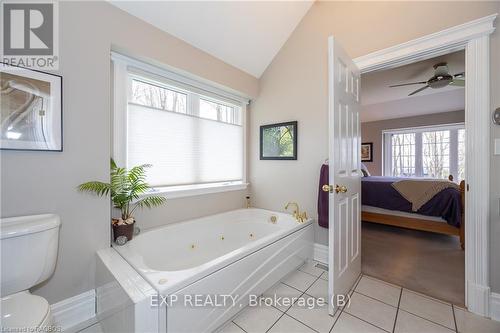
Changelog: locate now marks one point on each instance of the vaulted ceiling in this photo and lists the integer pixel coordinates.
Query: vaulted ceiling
(245, 34)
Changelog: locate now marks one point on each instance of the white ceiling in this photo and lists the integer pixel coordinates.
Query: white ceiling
(245, 34)
(381, 102)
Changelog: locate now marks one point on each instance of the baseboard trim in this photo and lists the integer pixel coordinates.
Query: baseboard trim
(495, 306)
(74, 310)
(320, 253)
(478, 299)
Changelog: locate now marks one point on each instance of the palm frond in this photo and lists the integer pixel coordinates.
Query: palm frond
(138, 172)
(125, 187)
(98, 188)
(150, 202)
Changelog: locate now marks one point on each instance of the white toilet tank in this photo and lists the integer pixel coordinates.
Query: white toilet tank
(28, 251)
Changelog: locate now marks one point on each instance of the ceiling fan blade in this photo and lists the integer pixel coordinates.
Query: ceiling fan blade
(407, 84)
(460, 75)
(457, 83)
(419, 90)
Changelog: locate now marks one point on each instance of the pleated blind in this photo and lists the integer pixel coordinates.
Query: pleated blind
(188, 138)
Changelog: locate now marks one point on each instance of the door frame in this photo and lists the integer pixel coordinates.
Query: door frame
(474, 38)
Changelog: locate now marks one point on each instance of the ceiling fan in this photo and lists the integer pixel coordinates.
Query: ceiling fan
(441, 78)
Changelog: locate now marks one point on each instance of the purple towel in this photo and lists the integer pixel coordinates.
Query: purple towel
(323, 197)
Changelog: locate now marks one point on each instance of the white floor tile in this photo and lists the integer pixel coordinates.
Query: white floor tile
(318, 289)
(380, 290)
(372, 311)
(433, 310)
(470, 323)
(310, 267)
(287, 324)
(258, 318)
(324, 276)
(282, 296)
(230, 328)
(299, 280)
(349, 324)
(313, 314)
(409, 323)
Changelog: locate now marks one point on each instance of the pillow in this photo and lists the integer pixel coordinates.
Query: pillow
(364, 170)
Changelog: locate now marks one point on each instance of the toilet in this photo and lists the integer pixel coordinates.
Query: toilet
(28, 257)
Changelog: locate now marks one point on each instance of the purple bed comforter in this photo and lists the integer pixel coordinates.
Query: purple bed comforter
(378, 192)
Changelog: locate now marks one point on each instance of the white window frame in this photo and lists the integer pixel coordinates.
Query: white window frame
(387, 147)
(185, 83)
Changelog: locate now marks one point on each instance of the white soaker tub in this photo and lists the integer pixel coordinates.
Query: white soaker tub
(237, 253)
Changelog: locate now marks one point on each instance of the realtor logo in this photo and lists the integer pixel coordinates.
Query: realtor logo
(30, 34)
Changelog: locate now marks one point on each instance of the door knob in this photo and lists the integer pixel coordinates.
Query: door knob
(340, 189)
(327, 188)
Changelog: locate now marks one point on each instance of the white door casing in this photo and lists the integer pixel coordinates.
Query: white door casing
(473, 37)
(344, 254)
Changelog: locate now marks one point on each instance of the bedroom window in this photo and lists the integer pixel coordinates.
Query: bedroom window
(192, 134)
(432, 152)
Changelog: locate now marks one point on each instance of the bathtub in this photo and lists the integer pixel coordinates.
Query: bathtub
(237, 254)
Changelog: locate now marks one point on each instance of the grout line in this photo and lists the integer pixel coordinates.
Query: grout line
(397, 311)
(375, 299)
(239, 326)
(302, 291)
(282, 314)
(286, 314)
(380, 328)
(382, 281)
(312, 284)
(299, 269)
(345, 306)
(427, 296)
(358, 280)
(451, 329)
(454, 318)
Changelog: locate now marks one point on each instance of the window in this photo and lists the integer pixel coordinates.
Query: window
(436, 154)
(403, 152)
(433, 152)
(192, 137)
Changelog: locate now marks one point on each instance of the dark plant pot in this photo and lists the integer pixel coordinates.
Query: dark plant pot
(126, 230)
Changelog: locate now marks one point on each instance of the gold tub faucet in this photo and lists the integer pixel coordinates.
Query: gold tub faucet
(300, 217)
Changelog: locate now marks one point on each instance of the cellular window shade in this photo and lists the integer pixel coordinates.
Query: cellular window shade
(183, 149)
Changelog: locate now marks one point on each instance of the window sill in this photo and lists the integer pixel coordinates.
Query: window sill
(172, 192)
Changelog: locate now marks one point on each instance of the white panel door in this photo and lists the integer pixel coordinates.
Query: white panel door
(345, 174)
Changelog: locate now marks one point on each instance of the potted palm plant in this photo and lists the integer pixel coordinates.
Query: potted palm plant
(126, 188)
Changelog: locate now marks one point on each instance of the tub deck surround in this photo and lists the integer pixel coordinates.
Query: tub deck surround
(172, 257)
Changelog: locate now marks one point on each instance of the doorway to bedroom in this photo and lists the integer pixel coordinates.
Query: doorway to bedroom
(413, 159)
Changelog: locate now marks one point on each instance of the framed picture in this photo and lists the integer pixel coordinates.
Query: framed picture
(30, 109)
(367, 152)
(278, 141)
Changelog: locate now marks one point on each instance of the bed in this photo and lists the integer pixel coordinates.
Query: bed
(383, 204)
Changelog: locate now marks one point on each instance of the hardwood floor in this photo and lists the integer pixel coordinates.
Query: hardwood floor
(429, 263)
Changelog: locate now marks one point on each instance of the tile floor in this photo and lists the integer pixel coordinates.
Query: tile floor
(376, 306)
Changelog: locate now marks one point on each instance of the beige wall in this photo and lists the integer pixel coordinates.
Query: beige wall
(372, 132)
(40, 182)
(294, 87)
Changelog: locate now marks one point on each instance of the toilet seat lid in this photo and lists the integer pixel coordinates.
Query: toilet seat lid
(24, 310)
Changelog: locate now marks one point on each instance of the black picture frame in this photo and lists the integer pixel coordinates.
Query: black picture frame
(57, 82)
(369, 149)
(267, 156)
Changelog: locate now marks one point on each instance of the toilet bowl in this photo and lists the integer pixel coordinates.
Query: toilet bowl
(24, 310)
(28, 257)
